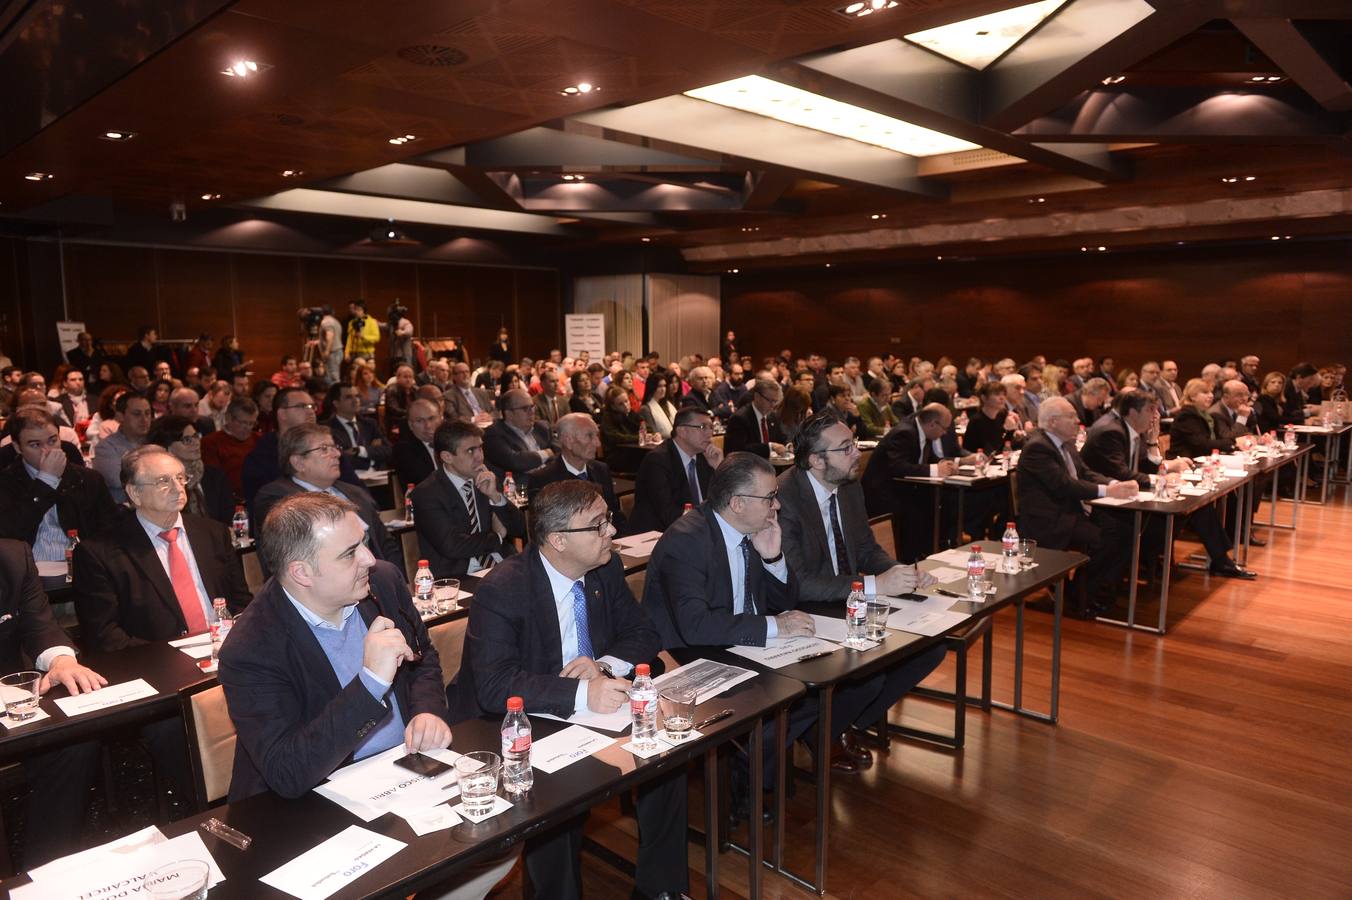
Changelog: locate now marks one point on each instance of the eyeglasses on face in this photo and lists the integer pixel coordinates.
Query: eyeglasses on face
(697, 426)
(165, 482)
(769, 498)
(188, 438)
(600, 527)
(298, 406)
(322, 448)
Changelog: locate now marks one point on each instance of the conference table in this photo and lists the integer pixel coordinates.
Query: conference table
(966, 480)
(1331, 438)
(824, 674)
(1242, 486)
(282, 829)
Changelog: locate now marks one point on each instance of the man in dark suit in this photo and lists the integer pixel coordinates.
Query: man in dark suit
(829, 544)
(464, 522)
(912, 398)
(676, 473)
(414, 457)
(184, 402)
(357, 437)
(1090, 401)
(731, 393)
(44, 495)
(718, 576)
(1054, 490)
(579, 442)
(700, 397)
(924, 446)
(517, 443)
(310, 463)
(549, 406)
(755, 427)
(58, 777)
(1124, 445)
(1233, 414)
(291, 407)
(1249, 373)
(465, 402)
(558, 627)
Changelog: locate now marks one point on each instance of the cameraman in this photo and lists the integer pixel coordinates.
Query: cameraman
(331, 345)
(363, 331)
(401, 336)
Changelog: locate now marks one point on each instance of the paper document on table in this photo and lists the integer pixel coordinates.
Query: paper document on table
(198, 646)
(638, 545)
(426, 821)
(376, 782)
(834, 630)
(107, 873)
(112, 695)
(931, 603)
(705, 677)
(123, 846)
(618, 720)
(947, 574)
(337, 862)
(565, 747)
(1188, 490)
(929, 622)
(958, 557)
(1141, 497)
(785, 651)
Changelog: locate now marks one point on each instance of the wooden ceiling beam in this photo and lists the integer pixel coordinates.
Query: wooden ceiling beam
(1282, 41)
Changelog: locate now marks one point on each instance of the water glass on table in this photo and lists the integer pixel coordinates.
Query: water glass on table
(875, 618)
(478, 773)
(678, 712)
(20, 692)
(446, 593)
(183, 880)
(1027, 552)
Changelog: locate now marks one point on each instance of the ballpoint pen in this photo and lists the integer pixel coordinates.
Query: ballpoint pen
(940, 590)
(805, 657)
(716, 717)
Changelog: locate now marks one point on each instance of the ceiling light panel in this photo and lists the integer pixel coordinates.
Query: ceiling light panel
(764, 97)
(981, 41)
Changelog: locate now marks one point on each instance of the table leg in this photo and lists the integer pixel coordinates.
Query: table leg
(1330, 456)
(1135, 567)
(1168, 560)
(1058, 604)
(754, 826)
(1239, 521)
(1018, 657)
(712, 823)
(1298, 490)
(938, 490)
(823, 783)
(957, 528)
(781, 739)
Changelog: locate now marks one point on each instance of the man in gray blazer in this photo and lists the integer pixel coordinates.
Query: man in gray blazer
(465, 403)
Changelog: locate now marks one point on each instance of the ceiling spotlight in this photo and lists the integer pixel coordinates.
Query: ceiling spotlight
(733, 271)
(115, 135)
(1101, 249)
(403, 139)
(1037, 199)
(1230, 179)
(1272, 78)
(387, 231)
(861, 8)
(582, 87)
(39, 176)
(876, 216)
(646, 240)
(938, 257)
(828, 265)
(243, 68)
(574, 177)
(1249, 177)
(292, 173)
(211, 196)
(1275, 237)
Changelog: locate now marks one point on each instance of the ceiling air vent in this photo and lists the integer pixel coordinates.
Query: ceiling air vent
(432, 55)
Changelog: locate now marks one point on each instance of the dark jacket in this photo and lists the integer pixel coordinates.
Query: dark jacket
(1107, 450)
(662, 488)
(381, 543)
(124, 596)
(805, 545)
(29, 627)
(597, 472)
(81, 498)
(263, 465)
(505, 450)
(1087, 416)
(218, 496)
(295, 723)
(1268, 413)
(744, 433)
(412, 462)
(442, 521)
(513, 647)
(619, 438)
(898, 456)
(368, 436)
(1227, 425)
(688, 588)
(1049, 498)
(1193, 435)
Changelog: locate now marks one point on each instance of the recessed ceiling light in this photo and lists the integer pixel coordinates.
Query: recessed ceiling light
(1037, 199)
(751, 228)
(938, 257)
(981, 41)
(646, 240)
(39, 176)
(1114, 79)
(1230, 179)
(878, 216)
(733, 271)
(211, 196)
(243, 68)
(292, 173)
(574, 177)
(861, 8)
(764, 97)
(1249, 177)
(828, 265)
(582, 87)
(115, 135)
(403, 139)
(1272, 78)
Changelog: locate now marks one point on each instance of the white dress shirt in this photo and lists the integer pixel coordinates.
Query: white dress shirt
(562, 589)
(824, 495)
(162, 551)
(458, 484)
(732, 542)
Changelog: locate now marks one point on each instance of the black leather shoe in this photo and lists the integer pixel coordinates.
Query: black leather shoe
(1256, 541)
(862, 756)
(1230, 570)
(842, 761)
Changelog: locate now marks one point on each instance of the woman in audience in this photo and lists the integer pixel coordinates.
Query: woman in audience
(511, 381)
(262, 395)
(229, 360)
(368, 387)
(627, 385)
(1268, 408)
(1053, 380)
(1126, 378)
(103, 422)
(658, 411)
(796, 409)
(582, 399)
(399, 393)
(619, 431)
(1194, 430)
(208, 488)
(159, 396)
(107, 375)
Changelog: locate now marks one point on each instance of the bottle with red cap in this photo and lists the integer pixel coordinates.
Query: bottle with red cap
(976, 575)
(856, 615)
(643, 708)
(1009, 549)
(517, 775)
(424, 597)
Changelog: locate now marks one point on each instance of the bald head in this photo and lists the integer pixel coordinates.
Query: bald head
(1235, 393)
(1057, 416)
(183, 402)
(579, 438)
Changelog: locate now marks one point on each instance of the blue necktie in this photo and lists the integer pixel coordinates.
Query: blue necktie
(694, 483)
(584, 646)
(583, 476)
(748, 595)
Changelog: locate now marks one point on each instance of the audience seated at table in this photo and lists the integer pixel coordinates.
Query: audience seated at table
(875, 410)
(293, 407)
(208, 488)
(992, 424)
(542, 626)
(755, 428)
(134, 415)
(1090, 401)
(676, 473)
(516, 443)
(579, 442)
(658, 411)
(357, 436)
(413, 455)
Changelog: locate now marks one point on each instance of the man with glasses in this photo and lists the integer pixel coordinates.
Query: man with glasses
(558, 627)
(517, 443)
(829, 545)
(310, 460)
(134, 415)
(357, 437)
(464, 522)
(755, 427)
(579, 442)
(465, 402)
(676, 473)
(414, 458)
(291, 407)
(227, 448)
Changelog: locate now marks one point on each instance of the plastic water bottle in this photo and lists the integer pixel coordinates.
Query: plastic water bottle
(688, 508)
(1079, 438)
(1217, 469)
(408, 505)
(239, 525)
(517, 775)
(1290, 439)
(221, 627)
(72, 541)
(1009, 549)
(423, 596)
(981, 462)
(856, 615)
(643, 708)
(509, 488)
(976, 575)
(642, 433)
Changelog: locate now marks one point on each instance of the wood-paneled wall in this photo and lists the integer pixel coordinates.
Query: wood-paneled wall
(1286, 303)
(114, 288)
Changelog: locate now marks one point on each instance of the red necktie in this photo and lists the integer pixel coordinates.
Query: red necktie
(184, 588)
(765, 430)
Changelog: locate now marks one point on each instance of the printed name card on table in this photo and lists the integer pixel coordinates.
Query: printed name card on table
(566, 747)
(112, 695)
(780, 652)
(113, 871)
(334, 864)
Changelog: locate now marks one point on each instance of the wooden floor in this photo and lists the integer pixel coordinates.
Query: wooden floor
(1213, 762)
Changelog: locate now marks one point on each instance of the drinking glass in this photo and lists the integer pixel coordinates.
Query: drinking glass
(20, 692)
(678, 712)
(446, 593)
(478, 772)
(1027, 550)
(875, 620)
(183, 880)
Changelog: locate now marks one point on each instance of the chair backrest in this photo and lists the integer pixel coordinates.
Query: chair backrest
(409, 542)
(449, 639)
(253, 570)
(211, 743)
(882, 533)
(627, 504)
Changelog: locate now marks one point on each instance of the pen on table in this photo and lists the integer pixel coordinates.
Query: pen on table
(807, 656)
(716, 717)
(939, 590)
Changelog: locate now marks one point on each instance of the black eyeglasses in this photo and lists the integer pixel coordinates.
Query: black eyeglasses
(600, 527)
(768, 498)
(298, 406)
